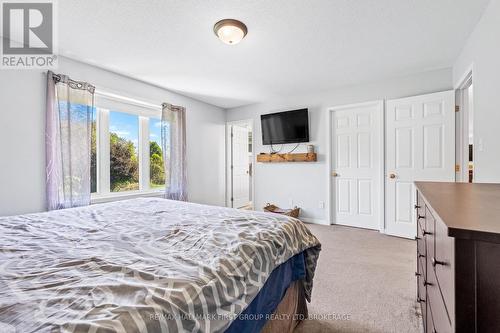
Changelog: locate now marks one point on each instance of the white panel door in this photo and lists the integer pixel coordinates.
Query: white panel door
(420, 146)
(240, 166)
(356, 173)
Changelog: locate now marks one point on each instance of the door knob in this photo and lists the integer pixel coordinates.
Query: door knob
(334, 174)
(392, 175)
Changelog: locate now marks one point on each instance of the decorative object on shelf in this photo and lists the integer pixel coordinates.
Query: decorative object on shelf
(288, 212)
(275, 158)
(310, 149)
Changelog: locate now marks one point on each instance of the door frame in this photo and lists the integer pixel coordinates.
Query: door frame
(380, 104)
(229, 179)
(461, 130)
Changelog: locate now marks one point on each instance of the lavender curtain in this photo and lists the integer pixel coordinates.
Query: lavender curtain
(173, 138)
(68, 131)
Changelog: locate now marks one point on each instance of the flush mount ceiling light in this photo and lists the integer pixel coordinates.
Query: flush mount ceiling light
(230, 31)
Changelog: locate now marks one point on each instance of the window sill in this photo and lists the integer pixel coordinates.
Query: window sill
(108, 197)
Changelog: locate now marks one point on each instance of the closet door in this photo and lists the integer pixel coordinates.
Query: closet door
(356, 165)
(420, 146)
(240, 163)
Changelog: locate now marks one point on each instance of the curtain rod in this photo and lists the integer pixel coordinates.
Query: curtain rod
(107, 93)
(102, 92)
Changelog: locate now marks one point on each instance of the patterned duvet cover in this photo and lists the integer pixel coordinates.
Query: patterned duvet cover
(141, 265)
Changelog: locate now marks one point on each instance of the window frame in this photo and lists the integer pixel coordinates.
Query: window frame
(104, 104)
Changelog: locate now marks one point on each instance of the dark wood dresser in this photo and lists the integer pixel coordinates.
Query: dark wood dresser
(458, 250)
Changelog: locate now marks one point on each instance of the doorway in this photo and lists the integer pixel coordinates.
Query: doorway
(420, 141)
(239, 164)
(465, 148)
(356, 165)
(376, 154)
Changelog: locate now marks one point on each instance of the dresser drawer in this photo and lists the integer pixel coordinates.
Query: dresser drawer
(421, 292)
(421, 296)
(442, 265)
(420, 212)
(421, 247)
(430, 221)
(421, 259)
(421, 223)
(428, 234)
(428, 323)
(439, 313)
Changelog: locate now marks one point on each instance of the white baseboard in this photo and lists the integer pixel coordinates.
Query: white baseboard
(313, 221)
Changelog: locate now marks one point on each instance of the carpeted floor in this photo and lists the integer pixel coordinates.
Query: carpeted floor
(364, 282)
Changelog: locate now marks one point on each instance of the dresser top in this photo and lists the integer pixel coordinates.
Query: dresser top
(470, 211)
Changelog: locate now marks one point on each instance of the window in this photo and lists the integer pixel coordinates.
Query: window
(126, 155)
(156, 166)
(123, 152)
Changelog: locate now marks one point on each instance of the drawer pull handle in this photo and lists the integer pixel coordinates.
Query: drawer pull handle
(418, 274)
(420, 300)
(421, 217)
(417, 207)
(421, 255)
(427, 233)
(437, 262)
(417, 238)
(427, 283)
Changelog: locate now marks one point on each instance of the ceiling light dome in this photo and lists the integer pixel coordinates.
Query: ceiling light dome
(230, 31)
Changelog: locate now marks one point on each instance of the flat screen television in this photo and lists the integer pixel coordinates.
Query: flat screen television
(285, 127)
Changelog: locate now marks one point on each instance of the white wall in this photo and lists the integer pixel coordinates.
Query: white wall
(306, 183)
(482, 51)
(22, 145)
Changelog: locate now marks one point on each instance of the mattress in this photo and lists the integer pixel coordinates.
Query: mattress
(142, 265)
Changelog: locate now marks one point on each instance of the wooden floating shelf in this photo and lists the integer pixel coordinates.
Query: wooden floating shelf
(279, 158)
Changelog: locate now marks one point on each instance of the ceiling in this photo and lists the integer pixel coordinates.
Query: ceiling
(292, 47)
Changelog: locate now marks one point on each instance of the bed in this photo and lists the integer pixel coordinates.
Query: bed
(154, 265)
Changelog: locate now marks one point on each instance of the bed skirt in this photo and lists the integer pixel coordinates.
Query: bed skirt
(280, 304)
